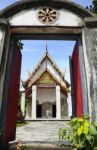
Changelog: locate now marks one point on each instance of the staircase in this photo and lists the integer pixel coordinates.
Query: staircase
(40, 131)
(38, 147)
(39, 135)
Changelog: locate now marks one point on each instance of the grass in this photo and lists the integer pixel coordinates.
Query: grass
(21, 124)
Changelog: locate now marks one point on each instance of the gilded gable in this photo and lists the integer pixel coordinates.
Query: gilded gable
(45, 79)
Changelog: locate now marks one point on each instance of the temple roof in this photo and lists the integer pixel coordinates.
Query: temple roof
(46, 64)
(47, 56)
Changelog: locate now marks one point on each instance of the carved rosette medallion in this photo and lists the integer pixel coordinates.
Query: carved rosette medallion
(47, 15)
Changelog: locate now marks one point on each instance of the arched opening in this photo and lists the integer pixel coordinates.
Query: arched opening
(43, 109)
(54, 25)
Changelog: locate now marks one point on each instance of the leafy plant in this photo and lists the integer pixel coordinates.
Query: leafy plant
(81, 133)
(94, 6)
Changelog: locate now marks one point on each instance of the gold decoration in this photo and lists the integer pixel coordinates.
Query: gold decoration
(45, 79)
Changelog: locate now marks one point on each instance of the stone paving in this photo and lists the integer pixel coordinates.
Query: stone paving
(40, 131)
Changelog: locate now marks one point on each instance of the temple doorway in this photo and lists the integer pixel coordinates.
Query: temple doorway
(46, 88)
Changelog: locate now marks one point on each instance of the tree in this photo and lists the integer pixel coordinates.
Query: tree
(94, 6)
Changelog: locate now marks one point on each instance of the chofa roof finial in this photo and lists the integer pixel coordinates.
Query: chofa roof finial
(46, 49)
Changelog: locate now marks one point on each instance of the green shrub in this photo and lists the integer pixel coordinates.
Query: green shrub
(21, 124)
(81, 133)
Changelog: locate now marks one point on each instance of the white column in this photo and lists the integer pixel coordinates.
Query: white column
(34, 92)
(69, 101)
(58, 103)
(27, 112)
(23, 103)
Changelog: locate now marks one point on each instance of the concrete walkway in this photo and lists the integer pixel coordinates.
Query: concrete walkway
(40, 131)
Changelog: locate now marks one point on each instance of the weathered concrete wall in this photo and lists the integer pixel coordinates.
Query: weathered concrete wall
(4, 40)
(2, 36)
(4, 47)
(30, 17)
(91, 47)
(83, 78)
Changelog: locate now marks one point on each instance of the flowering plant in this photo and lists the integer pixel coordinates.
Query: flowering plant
(81, 133)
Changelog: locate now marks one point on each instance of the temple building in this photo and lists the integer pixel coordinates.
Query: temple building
(46, 93)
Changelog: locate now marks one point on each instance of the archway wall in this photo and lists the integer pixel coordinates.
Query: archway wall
(90, 39)
(13, 18)
(30, 13)
(30, 18)
(2, 37)
(25, 4)
(4, 73)
(4, 47)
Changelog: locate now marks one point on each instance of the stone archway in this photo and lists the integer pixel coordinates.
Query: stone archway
(13, 26)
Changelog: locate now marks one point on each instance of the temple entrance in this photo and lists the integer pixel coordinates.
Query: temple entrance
(30, 20)
(55, 105)
(45, 90)
(54, 110)
(40, 115)
(39, 111)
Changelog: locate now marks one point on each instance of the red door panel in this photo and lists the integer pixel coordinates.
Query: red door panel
(77, 81)
(13, 96)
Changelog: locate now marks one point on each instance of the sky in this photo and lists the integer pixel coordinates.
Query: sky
(34, 50)
(4, 3)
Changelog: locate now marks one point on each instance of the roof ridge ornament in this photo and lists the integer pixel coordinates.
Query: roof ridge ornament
(46, 49)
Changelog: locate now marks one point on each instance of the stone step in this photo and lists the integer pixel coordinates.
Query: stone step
(37, 146)
(40, 131)
(39, 135)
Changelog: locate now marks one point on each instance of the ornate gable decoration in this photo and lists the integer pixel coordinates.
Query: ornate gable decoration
(47, 15)
(45, 79)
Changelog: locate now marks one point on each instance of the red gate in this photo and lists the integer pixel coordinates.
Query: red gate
(13, 97)
(76, 75)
